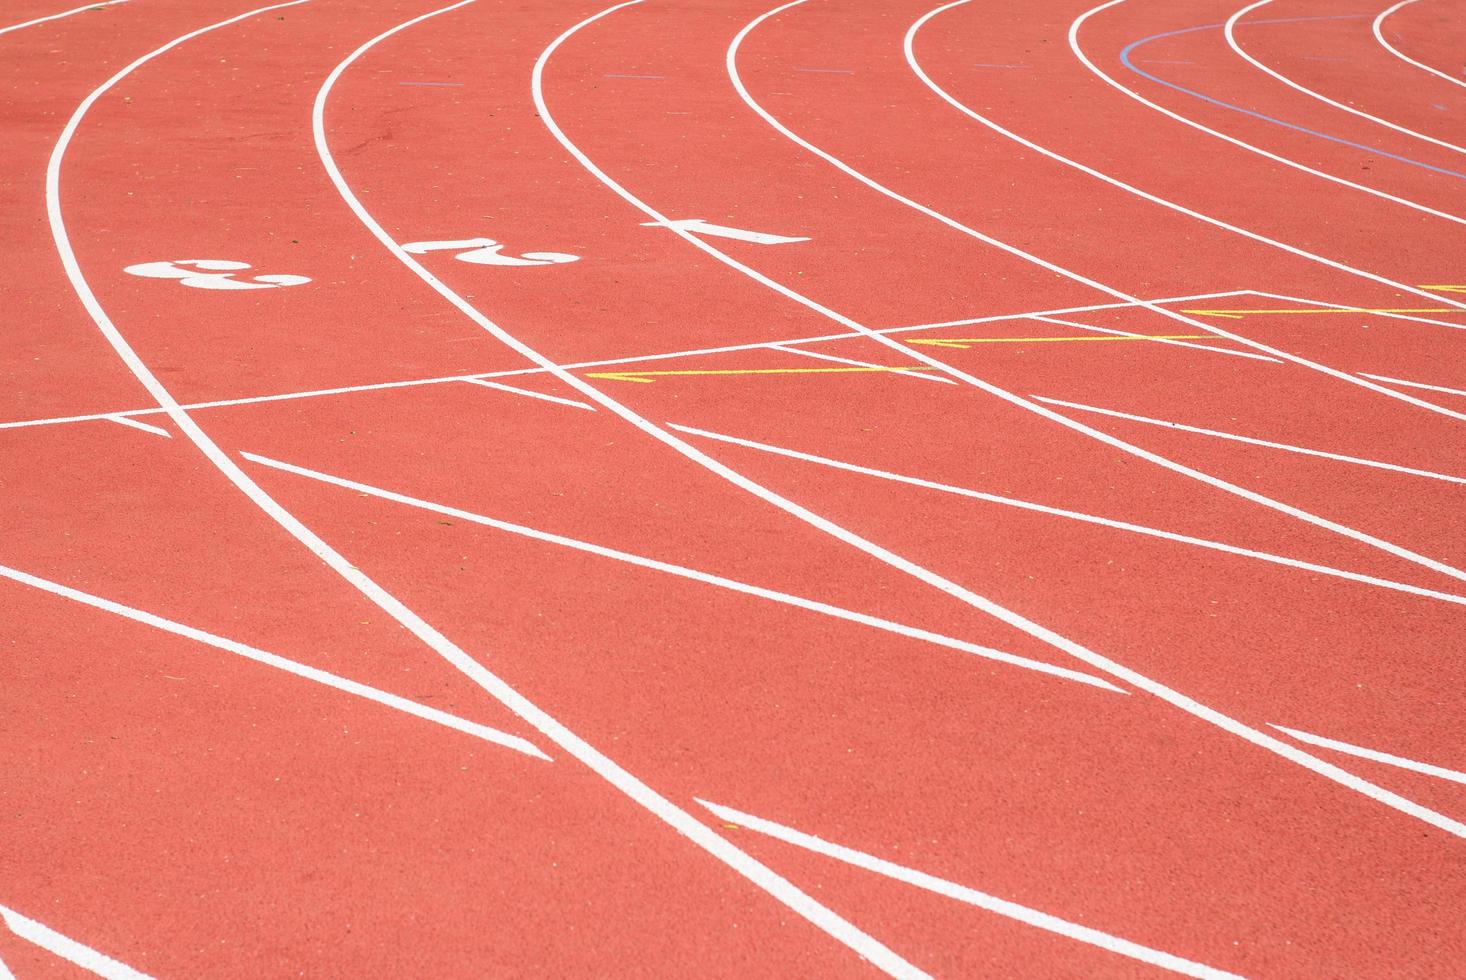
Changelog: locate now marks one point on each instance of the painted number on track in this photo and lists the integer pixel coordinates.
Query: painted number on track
(486, 251)
(211, 274)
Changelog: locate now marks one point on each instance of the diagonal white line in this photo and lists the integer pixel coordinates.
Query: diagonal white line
(305, 671)
(1417, 384)
(1159, 340)
(135, 424)
(1440, 772)
(68, 949)
(1075, 515)
(970, 896)
(691, 573)
(868, 364)
(1233, 437)
(531, 394)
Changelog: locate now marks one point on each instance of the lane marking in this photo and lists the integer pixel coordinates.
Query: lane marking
(305, 671)
(135, 424)
(1233, 437)
(5, 973)
(530, 394)
(1076, 516)
(674, 816)
(487, 251)
(846, 360)
(1379, 35)
(681, 571)
(216, 274)
(646, 377)
(1174, 343)
(969, 896)
(698, 226)
(68, 949)
(962, 343)
(634, 359)
(65, 13)
(1417, 384)
(1440, 772)
(1389, 314)
(1230, 30)
(1239, 314)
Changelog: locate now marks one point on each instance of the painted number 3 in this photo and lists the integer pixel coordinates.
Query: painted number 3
(211, 274)
(486, 251)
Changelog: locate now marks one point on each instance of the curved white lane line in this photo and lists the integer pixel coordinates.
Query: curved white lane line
(680, 820)
(689, 826)
(1229, 29)
(1285, 161)
(1096, 660)
(1010, 397)
(64, 13)
(1379, 35)
(1130, 188)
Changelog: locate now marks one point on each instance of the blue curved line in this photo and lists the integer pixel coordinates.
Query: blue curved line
(1130, 48)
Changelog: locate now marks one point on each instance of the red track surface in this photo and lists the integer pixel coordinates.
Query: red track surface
(1015, 688)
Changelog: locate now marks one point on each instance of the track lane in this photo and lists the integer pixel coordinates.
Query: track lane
(447, 270)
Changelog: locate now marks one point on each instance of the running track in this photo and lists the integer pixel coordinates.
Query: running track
(826, 489)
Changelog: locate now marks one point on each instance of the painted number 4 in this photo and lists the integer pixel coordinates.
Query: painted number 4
(486, 251)
(210, 274)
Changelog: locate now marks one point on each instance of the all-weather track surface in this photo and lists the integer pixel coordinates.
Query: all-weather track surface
(739, 489)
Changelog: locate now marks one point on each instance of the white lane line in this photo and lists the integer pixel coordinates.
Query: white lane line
(1175, 698)
(1230, 30)
(64, 13)
(135, 424)
(1116, 182)
(969, 896)
(5, 973)
(1379, 35)
(1440, 772)
(635, 359)
(1233, 437)
(1417, 384)
(305, 671)
(1158, 340)
(682, 571)
(1076, 516)
(531, 394)
(67, 948)
(683, 822)
(1285, 161)
(845, 360)
(1018, 400)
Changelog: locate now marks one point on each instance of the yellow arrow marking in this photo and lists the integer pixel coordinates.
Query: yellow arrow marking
(1239, 314)
(962, 343)
(645, 377)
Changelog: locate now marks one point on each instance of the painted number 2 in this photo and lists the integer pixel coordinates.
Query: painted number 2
(210, 274)
(486, 251)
